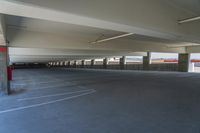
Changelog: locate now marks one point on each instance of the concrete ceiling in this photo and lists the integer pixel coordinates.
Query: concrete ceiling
(154, 18)
(83, 33)
(87, 5)
(59, 3)
(187, 5)
(37, 25)
(70, 25)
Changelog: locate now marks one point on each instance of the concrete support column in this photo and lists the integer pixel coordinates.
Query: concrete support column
(68, 64)
(105, 63)
(83, 63)
(60, 63)
(75, 64)
(4, 83)
(48, 64)
(122, 62)
(147, 61)
(183, 62)
(92, 62)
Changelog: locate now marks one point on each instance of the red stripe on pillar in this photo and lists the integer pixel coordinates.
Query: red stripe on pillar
(3, 49)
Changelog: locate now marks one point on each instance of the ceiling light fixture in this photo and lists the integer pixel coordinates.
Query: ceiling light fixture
(189, 20)
(111, 38)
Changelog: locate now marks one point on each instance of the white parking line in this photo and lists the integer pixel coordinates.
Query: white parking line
(45, 103)
(31, 80)
(50, 87)
(33, 83)
(54, 95)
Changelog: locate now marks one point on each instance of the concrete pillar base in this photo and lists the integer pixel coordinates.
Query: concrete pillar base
(183, 62)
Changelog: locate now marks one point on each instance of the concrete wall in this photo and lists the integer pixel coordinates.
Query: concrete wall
(164, 67)
(152, 67)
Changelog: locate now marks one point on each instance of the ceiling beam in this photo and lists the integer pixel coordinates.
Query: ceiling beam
(30, 11)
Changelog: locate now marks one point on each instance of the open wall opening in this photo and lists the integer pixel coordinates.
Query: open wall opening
(99, 61)
(114, 61)
(195, 62)
(163, 58)
(164, 61)
(134, 60)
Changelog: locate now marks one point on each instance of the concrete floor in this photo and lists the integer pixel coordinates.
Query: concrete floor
(99, 101)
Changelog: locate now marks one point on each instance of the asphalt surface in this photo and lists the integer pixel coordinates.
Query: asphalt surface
(59, 100)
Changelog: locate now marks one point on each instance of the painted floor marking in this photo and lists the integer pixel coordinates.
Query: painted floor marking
(53, 95)
(36, 83)
(50, 87)
(30, 80)
(45, 103)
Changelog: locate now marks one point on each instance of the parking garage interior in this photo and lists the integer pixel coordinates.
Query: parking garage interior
(99, 66)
